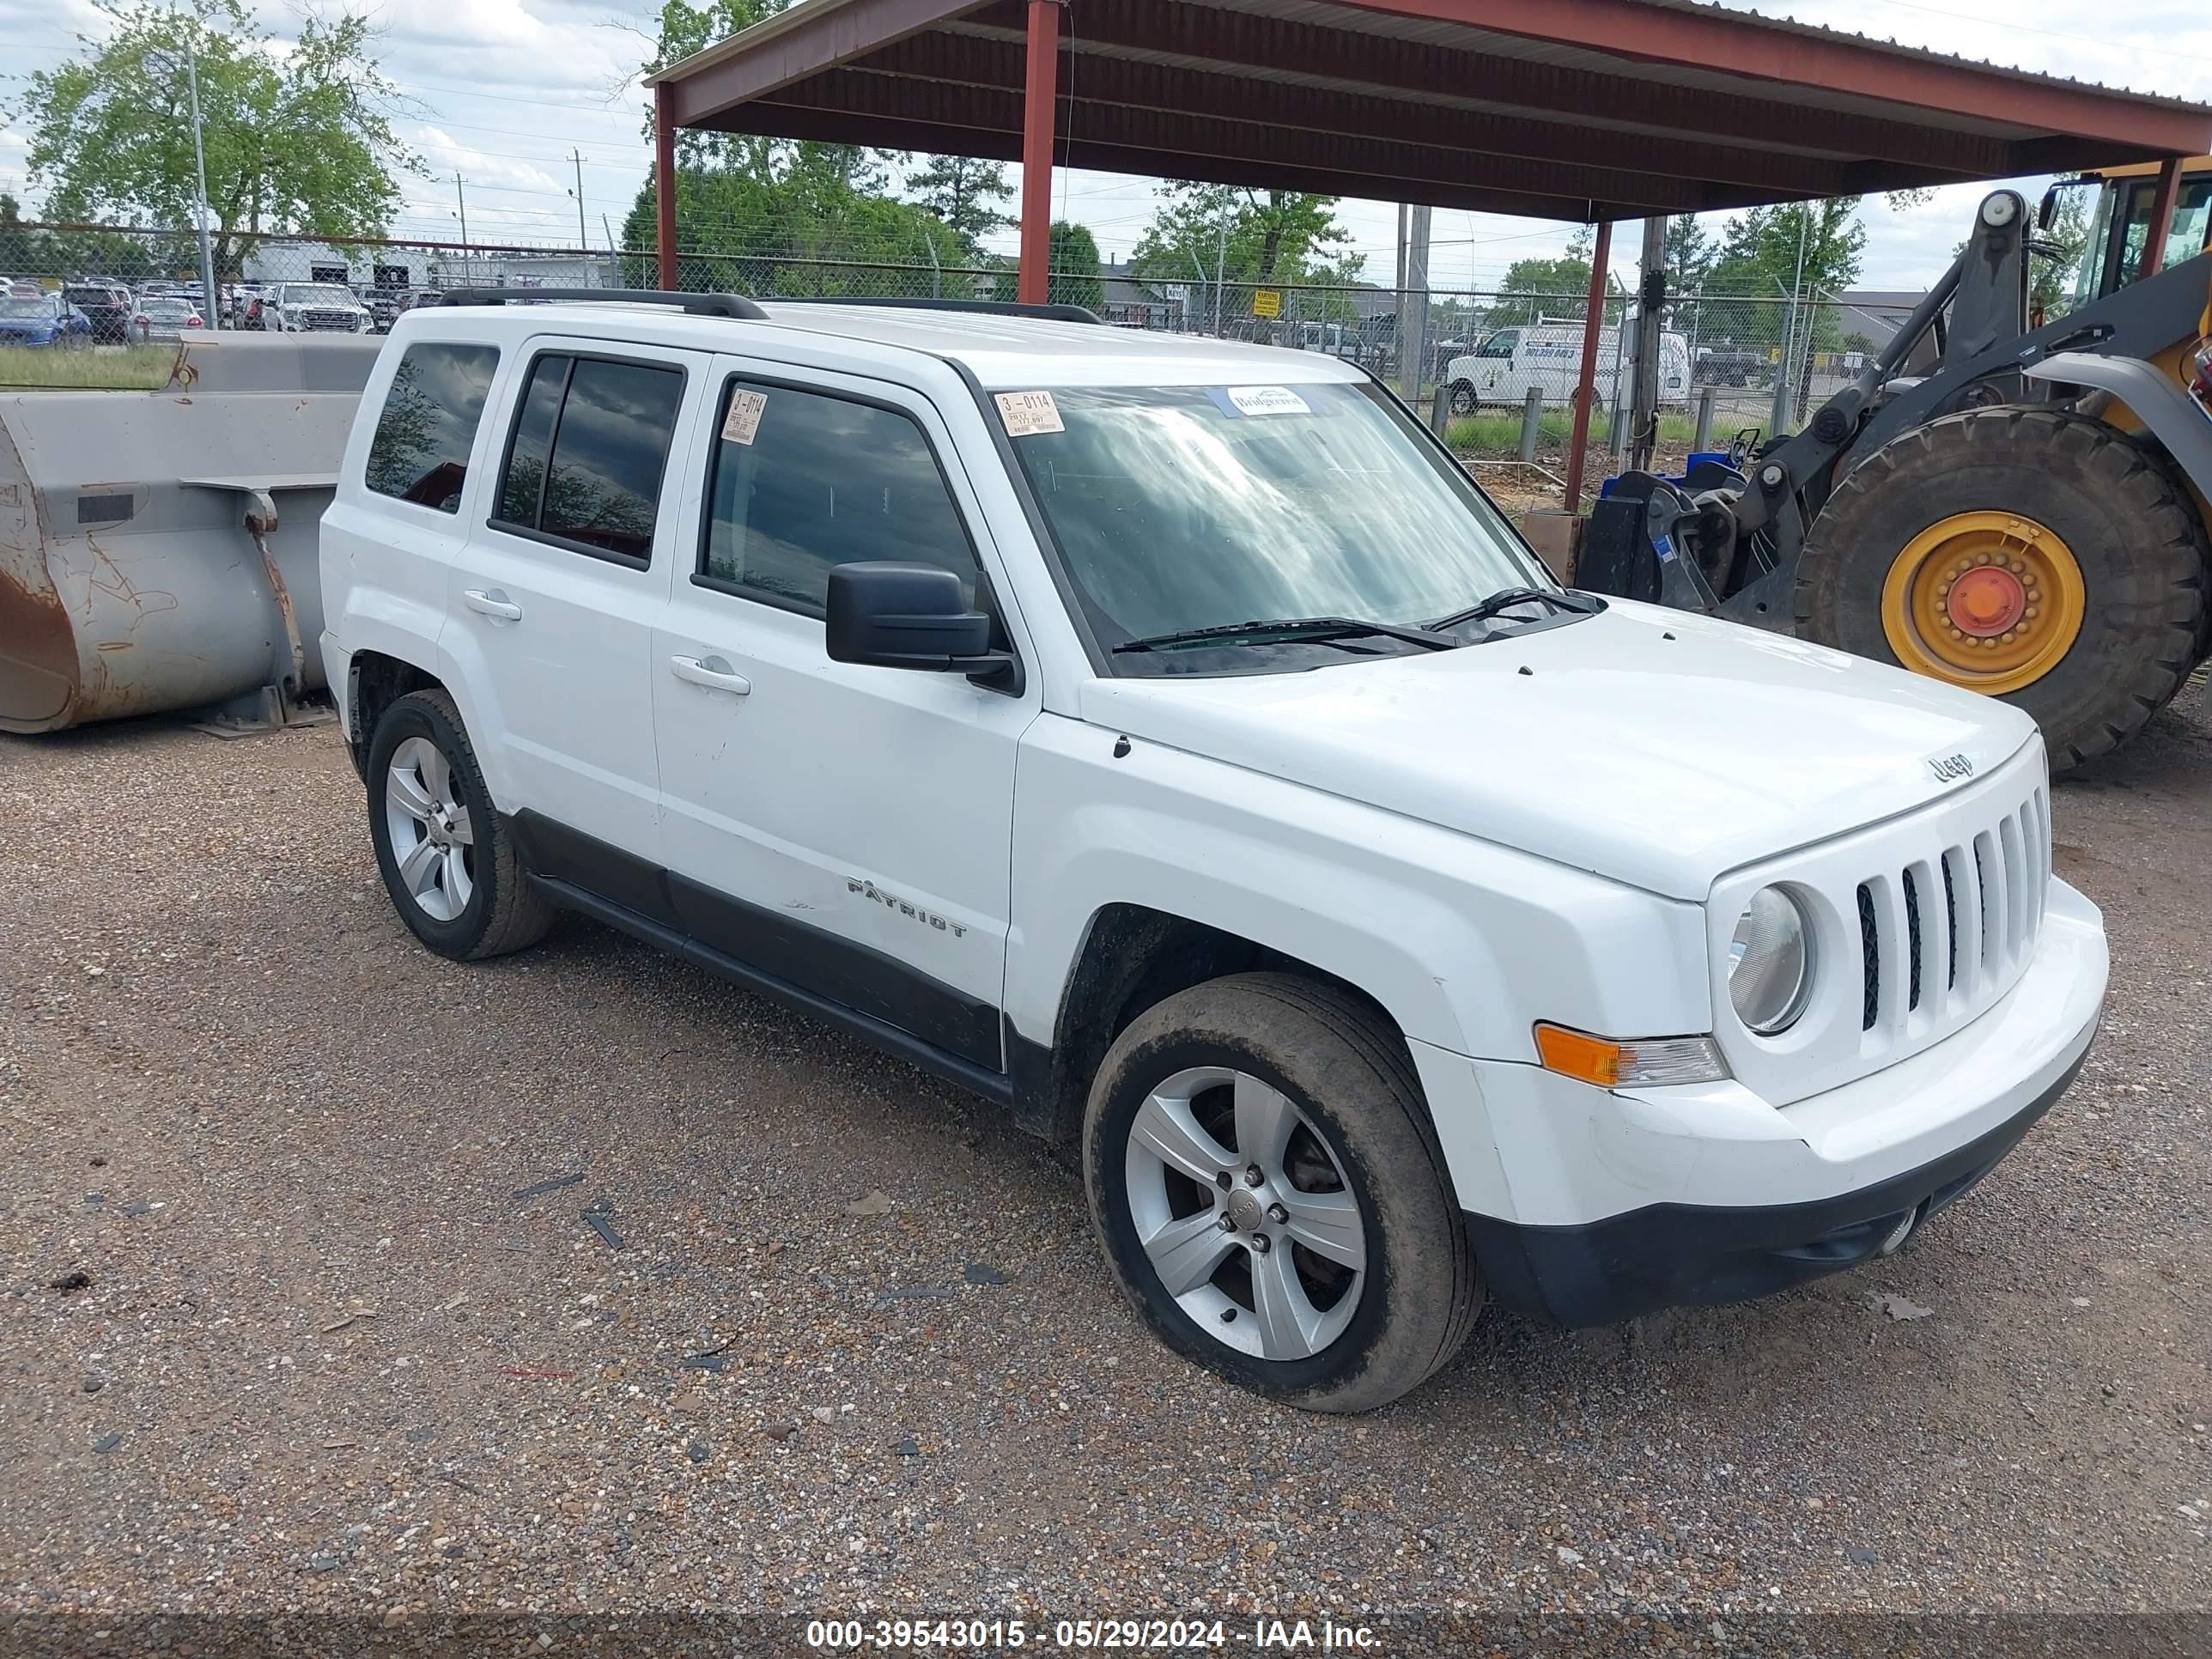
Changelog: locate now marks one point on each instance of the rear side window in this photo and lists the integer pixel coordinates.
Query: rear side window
(591, 441)
(804, 481)
(421, 450)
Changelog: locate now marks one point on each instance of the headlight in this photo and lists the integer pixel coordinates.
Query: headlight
(1771, 962)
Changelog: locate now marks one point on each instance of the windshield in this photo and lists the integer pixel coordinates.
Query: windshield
(318, 294)
(1177, 507)
(19, 305)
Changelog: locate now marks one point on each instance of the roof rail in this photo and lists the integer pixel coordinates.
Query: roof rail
(700, 305)
(1055, 313)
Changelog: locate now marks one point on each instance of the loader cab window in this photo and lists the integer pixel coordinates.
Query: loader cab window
(2113, 256)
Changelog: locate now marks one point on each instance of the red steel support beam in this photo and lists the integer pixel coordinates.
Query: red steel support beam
(1586, 386)
(1040, 104)
(664, 180)
(2161, 215)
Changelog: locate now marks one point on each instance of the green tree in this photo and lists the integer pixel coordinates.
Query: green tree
(1251, 238)
(1691, 252)
(297, 133)
(770, 216)
(1078, 276)
(962, 192)
(1807, 251)
(1553, 286)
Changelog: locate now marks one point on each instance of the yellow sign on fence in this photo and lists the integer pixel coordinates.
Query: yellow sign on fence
(1266, 302)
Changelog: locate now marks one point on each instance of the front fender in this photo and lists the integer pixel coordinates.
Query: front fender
(2170, 413)
(1464, 943)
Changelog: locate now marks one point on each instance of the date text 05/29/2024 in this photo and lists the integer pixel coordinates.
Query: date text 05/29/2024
(1165, 1635)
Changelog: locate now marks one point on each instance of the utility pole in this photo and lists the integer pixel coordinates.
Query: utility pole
(468, 269)
(1414, 308)
(212, 312)
(1651, 320)
(1785, 369)
(1220, 262)
(583, 236)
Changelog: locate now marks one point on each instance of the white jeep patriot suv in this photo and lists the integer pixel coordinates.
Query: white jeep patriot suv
(1165, 739)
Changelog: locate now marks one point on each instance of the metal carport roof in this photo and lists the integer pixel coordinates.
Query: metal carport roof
(1571, 109)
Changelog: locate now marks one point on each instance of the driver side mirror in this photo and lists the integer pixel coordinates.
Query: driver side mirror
(2047, 214)
(889, 615)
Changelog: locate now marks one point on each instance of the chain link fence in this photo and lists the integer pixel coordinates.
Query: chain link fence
(1728, 363)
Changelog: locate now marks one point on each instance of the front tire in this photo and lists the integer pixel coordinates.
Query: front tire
(449, 863)
(1463, 400)
(1269, 1189)
(2031, 553)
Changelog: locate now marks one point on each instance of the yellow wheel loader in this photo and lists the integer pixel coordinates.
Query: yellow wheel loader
(2012, 504)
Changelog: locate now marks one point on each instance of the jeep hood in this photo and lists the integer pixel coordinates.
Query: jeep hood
(1650, 746)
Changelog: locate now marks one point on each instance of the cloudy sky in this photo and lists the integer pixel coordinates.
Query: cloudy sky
(507, 92)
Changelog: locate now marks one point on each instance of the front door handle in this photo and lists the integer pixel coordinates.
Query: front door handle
(494, 603)
(713, 673)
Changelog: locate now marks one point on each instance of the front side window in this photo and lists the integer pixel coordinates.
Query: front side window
(1183, 508)
(1499, 345)
(591, 441)
(804, 481)
(429, 422)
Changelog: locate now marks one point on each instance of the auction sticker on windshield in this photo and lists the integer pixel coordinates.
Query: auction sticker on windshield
(1028, 413)
(1259, 400)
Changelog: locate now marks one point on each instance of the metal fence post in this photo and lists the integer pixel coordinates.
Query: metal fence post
(1702, 438)
(1440, 409)
(1532, 416)
(1617, 422)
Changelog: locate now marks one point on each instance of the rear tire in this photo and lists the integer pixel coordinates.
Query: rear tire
(455, 877)
(1346, 1277)
(2126, 522)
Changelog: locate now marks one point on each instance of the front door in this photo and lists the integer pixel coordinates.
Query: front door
(555, 595)
(845, 829)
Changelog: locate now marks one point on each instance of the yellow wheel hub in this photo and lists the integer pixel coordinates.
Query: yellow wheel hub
(1990, 601)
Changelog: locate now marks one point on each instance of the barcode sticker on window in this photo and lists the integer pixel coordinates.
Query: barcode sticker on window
(1028, 413)
(743, 422)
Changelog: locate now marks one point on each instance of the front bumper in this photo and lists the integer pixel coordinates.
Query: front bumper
(1592, 1205)
(1678, 1254)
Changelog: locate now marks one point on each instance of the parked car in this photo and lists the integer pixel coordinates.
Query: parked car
(159, 318)
(1548, 356)
(42, 319)
(1165, 738)
(383, 305)
(313, 309)
(107, 307)
(1731, 366)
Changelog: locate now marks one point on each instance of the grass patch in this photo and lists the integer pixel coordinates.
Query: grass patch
(1500, 435)
(125, 368)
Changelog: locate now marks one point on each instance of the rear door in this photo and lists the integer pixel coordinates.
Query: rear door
(846, 829)
(553, 601)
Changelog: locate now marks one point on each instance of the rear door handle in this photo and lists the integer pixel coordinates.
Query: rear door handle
(713, 673)
(494, 603)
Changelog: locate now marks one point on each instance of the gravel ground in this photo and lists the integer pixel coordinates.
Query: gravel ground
(539, 1285)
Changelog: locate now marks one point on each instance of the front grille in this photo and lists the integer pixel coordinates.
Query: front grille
(2002, 873)
(1871, 954)
(343, 319)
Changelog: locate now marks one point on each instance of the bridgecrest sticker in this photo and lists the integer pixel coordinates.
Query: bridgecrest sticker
(1265, 400)
(742, 424)
(1028, 413)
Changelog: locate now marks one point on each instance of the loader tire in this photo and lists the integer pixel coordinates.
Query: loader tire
(2107, 546)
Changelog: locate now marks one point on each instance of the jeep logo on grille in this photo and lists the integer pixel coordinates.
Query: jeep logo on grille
(1949, 768)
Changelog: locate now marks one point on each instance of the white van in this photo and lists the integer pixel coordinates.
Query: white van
(1546, 355)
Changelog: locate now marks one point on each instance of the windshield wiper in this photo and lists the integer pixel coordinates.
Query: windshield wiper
(1291, 628)
(1562, 598)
